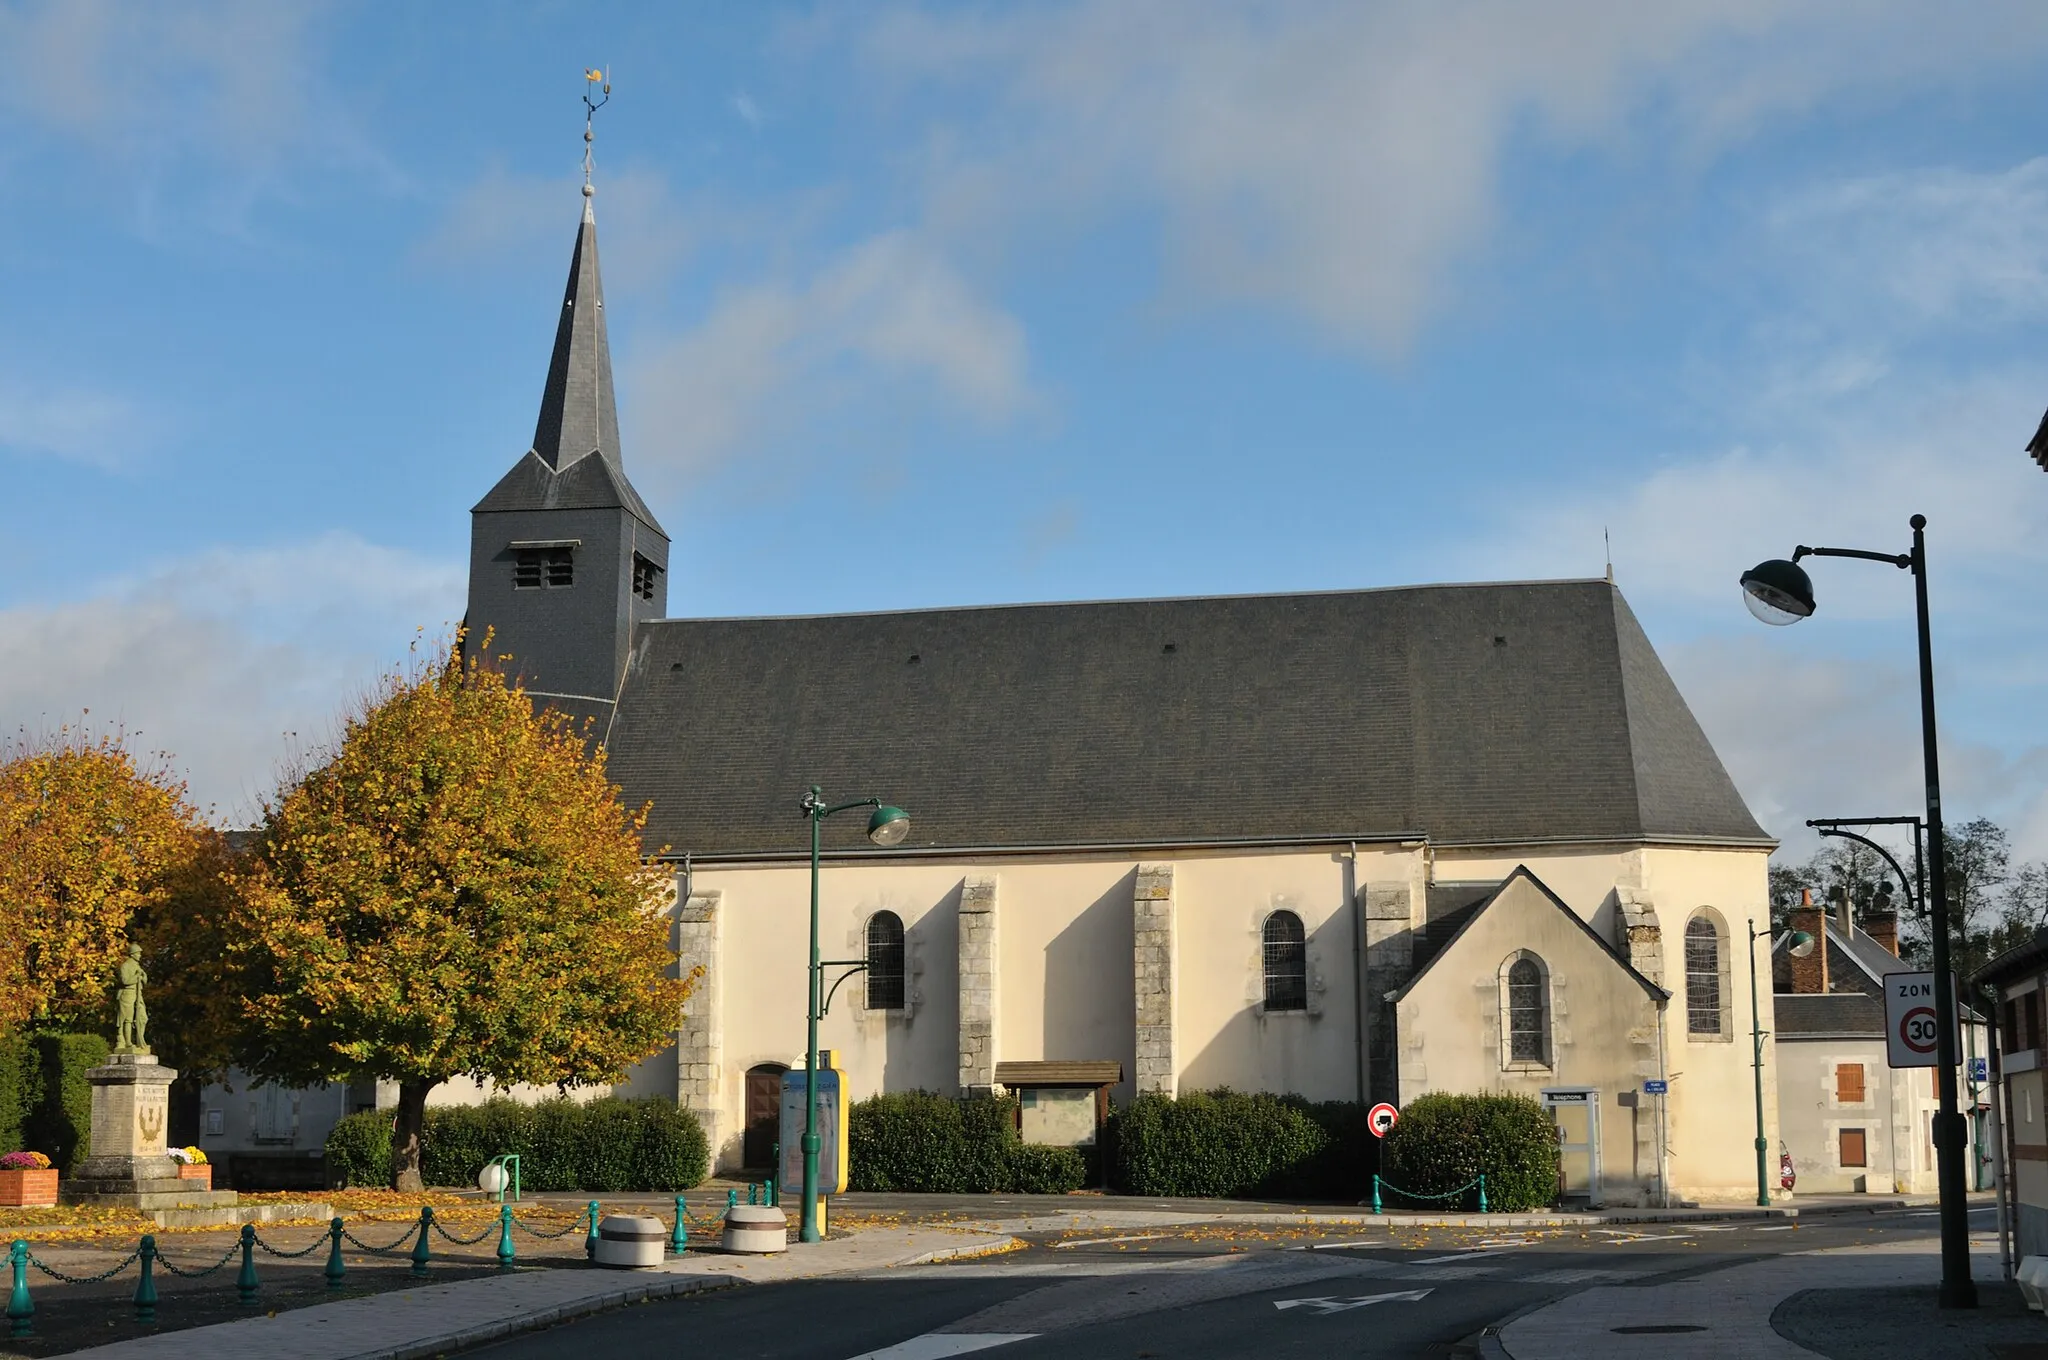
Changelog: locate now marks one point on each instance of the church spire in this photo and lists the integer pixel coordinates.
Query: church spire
(578, 414)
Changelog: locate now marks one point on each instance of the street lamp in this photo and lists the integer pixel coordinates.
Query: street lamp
(1916, 886)
(1798, 944)
(1780, 592)
(888, 826)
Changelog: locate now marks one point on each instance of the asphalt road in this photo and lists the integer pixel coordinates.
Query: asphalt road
(1202, 1292)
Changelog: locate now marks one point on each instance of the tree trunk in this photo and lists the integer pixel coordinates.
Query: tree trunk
(405, 1135)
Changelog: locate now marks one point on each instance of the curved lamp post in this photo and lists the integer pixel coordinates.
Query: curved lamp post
(887, 826)
(1780, 592)
(1799, 945)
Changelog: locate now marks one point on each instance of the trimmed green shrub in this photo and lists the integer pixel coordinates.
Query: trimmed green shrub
(1444, 1141)
(1039, 1170)
(607, 1145)
(17, 1089)
(1215, 1144)
(359, 1150)
(59, 1123)
(922, 1142)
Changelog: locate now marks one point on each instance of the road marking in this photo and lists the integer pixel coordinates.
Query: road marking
(1326, 1306)
(1782, 1227)
(1461, 1256)
(1107, 1241)
(1631, 1241)
(936, 1345)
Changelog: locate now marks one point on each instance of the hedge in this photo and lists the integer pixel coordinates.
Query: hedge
(607, 1145)
(1444, 1141)
(45, 1100)
(1219, 1144)
(919, 1141)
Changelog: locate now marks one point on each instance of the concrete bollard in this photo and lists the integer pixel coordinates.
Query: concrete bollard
(756, 1228)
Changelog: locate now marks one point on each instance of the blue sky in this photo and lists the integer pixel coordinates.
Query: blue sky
(916, 306)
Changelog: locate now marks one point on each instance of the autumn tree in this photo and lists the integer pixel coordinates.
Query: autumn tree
(93, 847)
(455, 892)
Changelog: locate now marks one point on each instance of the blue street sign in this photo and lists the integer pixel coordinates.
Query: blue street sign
(1654, 1087)
(1980, 1069)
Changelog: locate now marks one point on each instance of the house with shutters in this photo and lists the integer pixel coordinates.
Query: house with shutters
(1354, 844)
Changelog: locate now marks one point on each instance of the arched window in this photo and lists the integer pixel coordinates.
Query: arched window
(1525, 1010)
(1286, 963)
(1702, 977)
(885, 961)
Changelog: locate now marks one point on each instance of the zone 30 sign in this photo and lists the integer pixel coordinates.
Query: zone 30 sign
(1909, 1026)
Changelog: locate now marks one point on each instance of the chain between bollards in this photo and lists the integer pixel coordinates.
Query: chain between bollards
(145, 1288)
(506, 1253)
(245, 1282)
(21, 1309)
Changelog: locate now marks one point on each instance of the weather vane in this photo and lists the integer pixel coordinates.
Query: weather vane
(602, 79)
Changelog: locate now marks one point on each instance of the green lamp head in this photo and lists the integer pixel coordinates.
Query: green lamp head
(1799, 944)
(888, 826)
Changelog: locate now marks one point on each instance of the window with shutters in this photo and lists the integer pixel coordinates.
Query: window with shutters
(1705, 1017)
(1854, 1151)
(1286, 962)
(1849, 1083)
(1525, 1012)
(885, 962)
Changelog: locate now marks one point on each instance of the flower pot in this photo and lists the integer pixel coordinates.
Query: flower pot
(29, 1189)
(202, 1172)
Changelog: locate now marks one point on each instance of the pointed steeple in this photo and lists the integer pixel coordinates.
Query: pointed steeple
(578, 414)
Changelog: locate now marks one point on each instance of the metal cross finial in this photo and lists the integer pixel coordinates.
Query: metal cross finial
(592, 76)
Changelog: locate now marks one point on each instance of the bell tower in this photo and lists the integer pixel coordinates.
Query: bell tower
(565, 559)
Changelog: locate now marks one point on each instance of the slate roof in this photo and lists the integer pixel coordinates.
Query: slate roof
(1465, 916)
(1505, 713)
(1813, 1014)
(575, 462)
(2024, 958)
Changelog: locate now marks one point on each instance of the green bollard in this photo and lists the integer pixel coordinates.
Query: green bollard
(21, 1309)
(590, 1242)
(506, 1253)
(774, 1196)
(245, 1282)
(1482, 1192)
(732, 1197)
(337, 1272)
(679, 1240)
(1376, 1194)
(145, 1288)
(422, 1251)
(753, 1192)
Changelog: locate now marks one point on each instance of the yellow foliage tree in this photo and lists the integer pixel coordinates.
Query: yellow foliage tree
(455, 892)
(92, 846)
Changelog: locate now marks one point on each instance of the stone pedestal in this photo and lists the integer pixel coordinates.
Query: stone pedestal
(129, 1165)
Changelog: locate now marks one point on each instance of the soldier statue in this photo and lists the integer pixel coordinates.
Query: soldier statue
(132, 1024)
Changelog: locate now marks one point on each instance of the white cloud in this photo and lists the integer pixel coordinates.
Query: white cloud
(1335, 160)
(198, 107)
(77, 424)
(527, 222)
(227, 660)
(884, 316)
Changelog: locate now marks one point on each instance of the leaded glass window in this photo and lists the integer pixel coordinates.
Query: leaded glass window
(1286, 959)
(1525, 1011)
(1702, 977)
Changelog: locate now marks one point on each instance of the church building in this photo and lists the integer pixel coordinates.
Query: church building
(1352, 844)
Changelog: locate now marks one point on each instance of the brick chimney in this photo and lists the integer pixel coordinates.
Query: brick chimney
(1810, 974)
(1883, 926)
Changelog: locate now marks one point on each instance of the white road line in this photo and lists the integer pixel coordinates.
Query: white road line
(1108, 1241)
(935, 1345)
(1345, 1246)
(1782, 1227)
(1461, 1256)
(1631, 1241)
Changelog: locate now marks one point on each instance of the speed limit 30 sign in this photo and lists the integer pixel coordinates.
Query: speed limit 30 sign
(1909, 1019)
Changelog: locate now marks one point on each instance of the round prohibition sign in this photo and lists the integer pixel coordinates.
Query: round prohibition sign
(1381, 1118)
(1916, 1029)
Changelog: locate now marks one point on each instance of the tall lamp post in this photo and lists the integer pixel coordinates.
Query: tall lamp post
(1799, 945)
(888, 826)
(1780, 592)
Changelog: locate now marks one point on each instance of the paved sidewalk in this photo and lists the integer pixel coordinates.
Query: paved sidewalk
(437, 1318)
(1822, 1297)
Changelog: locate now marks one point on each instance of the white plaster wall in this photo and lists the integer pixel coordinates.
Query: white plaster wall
(1603, 1027)
(1811, 1117)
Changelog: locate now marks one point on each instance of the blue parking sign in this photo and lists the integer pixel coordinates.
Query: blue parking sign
(1980, 1069)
